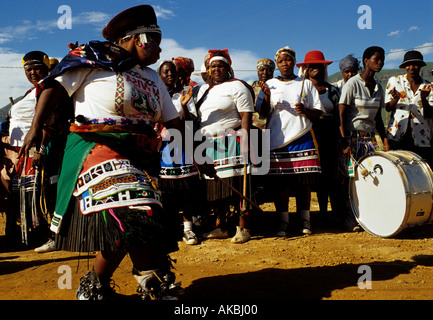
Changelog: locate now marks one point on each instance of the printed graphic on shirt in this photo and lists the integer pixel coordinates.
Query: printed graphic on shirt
(144, 94)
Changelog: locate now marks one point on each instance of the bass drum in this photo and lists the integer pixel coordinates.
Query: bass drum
(391, 191)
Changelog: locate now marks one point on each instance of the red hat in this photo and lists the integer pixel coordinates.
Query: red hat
(314, 56)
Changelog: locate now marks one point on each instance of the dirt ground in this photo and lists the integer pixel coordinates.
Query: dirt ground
(326, 265)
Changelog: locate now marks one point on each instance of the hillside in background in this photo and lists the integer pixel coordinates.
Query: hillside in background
(382, 77)
(385, 74)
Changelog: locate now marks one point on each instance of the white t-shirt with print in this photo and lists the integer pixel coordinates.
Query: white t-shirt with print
(362, 106)
(134, 96)
(220, 108)
(409, 104)
(284, 123)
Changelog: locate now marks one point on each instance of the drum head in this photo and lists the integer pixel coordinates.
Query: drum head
(378, 199)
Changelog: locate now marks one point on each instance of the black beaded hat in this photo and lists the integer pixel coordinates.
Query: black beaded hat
(138, 19)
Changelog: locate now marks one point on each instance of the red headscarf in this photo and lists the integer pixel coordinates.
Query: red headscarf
(186, 64)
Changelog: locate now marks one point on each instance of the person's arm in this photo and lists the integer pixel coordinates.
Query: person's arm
(40, 154)
(265, 107)
(390, 105)
(246, 126)
(427, 107)
(48, 100)
(310, 113)
(311, 107)
(380, 127)
(184, 99)
(245, 121)
(345, 140)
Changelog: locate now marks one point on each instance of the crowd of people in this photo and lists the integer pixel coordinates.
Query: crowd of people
(89, 163)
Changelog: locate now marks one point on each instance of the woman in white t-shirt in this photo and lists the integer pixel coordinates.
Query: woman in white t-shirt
(224, 108)
(108, 200)
(16, 173)
(178, 180)
(289, 103)
(21, 173)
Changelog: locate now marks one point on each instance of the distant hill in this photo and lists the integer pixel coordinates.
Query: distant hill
(382, 77)
(385, 74)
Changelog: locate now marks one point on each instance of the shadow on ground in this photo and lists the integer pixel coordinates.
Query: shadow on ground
(294, 284)
(10, 266)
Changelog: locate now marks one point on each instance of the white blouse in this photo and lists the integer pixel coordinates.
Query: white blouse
(220, 108)
(135, 96)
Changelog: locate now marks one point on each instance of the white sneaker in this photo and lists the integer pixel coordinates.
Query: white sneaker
(242, 235)
(216, 234)
(47, 247)
(306, 227)
(189, 237)
(282, 230)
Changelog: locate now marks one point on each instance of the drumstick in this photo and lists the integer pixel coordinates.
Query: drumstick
(233, 189)
(364, 171)
(238, 193)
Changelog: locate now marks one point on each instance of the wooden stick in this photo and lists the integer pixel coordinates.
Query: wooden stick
(244, 204)
(238, 193)
(302, 86)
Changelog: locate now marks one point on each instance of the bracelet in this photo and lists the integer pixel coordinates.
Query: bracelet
(43, 150)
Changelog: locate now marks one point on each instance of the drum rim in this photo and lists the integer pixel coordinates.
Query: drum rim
(404, 179)
(429, 175)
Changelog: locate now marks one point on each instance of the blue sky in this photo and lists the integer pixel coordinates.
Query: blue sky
(250, 29)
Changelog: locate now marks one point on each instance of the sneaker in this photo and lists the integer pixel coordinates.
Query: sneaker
(352, 225)
(305, 227)
(47, 247)
(218, 233)
(189, 237)
(91, 288)
(282, 230)
(157, 285)
(242, 235)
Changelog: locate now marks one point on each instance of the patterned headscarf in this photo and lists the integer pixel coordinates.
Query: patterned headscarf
(286, 50)
(187, 65)
(349, 61)
(184, 63)
(266, 62)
